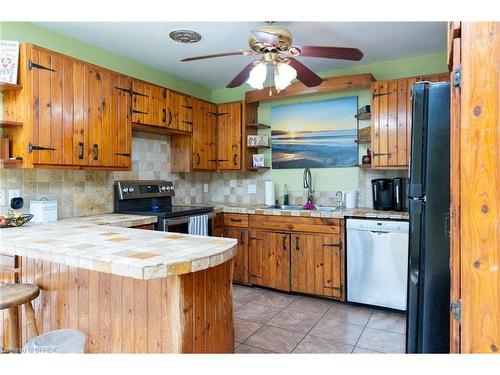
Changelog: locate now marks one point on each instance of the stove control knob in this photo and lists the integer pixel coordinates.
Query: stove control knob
(125, 189)
(163, 188)
(131, 189)
(171, 188)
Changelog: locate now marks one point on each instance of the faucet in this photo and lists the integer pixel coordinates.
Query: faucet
(307, 179)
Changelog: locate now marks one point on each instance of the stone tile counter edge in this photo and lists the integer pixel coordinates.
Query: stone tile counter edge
(106, 243)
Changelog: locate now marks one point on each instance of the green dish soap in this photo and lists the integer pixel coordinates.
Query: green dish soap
(286, 200)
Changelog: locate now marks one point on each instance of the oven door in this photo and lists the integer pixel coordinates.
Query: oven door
(181, 224)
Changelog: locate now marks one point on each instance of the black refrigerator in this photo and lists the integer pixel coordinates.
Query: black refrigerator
(428, 319)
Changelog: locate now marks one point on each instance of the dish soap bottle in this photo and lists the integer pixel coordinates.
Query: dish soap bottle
(286, 200)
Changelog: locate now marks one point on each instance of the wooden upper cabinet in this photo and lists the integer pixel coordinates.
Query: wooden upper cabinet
(391, 108)
(149, 104)
(229, 130)
(180, 112)
(203, 135)
(317, 265)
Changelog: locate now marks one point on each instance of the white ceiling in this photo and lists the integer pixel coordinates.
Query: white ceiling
(149, 43)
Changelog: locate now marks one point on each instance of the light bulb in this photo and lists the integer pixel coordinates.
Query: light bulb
(283, 76)
(257, 76)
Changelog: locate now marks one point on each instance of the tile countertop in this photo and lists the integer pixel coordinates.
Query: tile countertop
(106, 243)
(356, 212)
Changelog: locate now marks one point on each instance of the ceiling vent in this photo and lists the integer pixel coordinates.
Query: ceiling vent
(185, 36)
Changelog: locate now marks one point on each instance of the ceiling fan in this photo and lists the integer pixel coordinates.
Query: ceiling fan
(274, 45)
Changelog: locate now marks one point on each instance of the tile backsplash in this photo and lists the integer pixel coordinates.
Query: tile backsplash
(81, 193)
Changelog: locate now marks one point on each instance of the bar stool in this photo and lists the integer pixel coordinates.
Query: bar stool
(11, 297)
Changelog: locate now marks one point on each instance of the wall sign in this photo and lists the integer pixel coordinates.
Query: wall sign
(9, 59)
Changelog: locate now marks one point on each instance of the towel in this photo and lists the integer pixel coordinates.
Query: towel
(198, 225)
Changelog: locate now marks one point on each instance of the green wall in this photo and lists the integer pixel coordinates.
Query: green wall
(28, 32)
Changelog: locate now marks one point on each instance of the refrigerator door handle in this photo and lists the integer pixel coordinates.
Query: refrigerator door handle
(446, 225)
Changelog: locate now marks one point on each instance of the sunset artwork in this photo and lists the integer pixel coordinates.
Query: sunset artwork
(319, 134)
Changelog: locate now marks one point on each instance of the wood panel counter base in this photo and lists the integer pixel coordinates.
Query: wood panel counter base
(190, 313)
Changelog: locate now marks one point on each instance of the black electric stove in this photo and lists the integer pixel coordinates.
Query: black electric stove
(154, 197)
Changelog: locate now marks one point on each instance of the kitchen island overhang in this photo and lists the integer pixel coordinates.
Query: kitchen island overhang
(128, 290)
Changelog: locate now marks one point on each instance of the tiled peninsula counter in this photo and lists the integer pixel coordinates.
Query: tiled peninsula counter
(129, 290)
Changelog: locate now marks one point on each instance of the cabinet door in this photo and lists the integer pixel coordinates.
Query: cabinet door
(58, 119)
(180, 111)
(149, 104)
(269, 259)
(229, 136)
(240, 273)
(120, 124)
(203, 135)
(98, 134)
(317, 265)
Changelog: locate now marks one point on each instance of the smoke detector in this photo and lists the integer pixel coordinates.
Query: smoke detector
(185, 36)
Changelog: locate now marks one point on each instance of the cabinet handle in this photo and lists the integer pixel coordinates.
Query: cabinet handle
(235, 220)
(242, 238)
(95, 150)
(164, 118)
(284, 242)
(381, 154)
(255, 238)
(235, 161)
(81, 151)
(122, 154)
(169, 117)
(338, 245)
(32, 148)
(198, 158)
(297, 243)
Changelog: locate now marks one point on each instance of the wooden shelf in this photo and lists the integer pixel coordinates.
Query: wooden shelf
(257, 147)
(257, 168)
(364, 166)
(364, 135)
(363, 116)
(10, 163)
(9, 87)
(258, 126)
(10, 124)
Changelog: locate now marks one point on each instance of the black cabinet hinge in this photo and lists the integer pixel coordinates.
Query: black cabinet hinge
(138, 93)
(128, 91)
(457, 77)
(381, 94)
(136, 111)
(32, 147)
(32, 65)
(188, 106)
(456, 310)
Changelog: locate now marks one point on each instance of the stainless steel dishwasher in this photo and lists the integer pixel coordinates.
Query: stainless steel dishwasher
(377, 262)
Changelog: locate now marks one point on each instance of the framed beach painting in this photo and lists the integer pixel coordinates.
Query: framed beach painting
(319, 134)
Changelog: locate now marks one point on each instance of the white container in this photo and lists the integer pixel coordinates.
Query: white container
(269, 195)
(351, 199)
(56, 342)
(43, 211)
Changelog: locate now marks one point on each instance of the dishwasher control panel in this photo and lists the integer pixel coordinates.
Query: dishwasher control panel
(393, 226)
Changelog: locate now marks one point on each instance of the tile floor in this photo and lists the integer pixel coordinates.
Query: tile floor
(266, 321)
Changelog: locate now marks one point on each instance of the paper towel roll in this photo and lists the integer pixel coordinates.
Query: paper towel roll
(270, 199)
(351, 198)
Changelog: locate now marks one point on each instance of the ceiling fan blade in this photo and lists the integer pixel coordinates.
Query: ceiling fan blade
(265, 37)
(242, 76)
(304, 74)
(214, 55)
(340, 53)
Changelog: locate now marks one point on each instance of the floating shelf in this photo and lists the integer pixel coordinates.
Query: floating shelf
(363, 116)
(10, 124)
(258, 126)
(364, 166)
(10, 163)
(9, 87)
(257, 147)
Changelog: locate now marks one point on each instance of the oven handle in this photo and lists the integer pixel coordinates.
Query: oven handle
(184, 219)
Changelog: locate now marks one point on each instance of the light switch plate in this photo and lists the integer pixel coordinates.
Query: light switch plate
(232, 183)
(205, 188)
(252, 189)
(13, 193)
(2, 197)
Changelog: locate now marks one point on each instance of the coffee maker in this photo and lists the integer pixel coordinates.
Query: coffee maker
(388, 194)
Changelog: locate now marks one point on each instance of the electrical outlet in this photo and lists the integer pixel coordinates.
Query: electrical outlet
(2, 197)
(205, 188)
(252, 189)
(13, 193)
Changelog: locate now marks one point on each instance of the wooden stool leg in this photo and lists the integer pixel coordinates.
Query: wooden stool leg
(14, 328)
(30, 321)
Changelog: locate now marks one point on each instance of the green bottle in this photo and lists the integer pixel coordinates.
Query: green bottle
(286, 202)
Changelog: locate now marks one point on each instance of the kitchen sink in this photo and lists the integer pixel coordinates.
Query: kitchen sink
(294, 207)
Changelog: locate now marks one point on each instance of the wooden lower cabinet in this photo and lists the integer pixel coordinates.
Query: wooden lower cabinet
(240, 272)
(317, 264)
(269, 259)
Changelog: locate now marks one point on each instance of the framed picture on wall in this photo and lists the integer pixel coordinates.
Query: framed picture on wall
(9, 60)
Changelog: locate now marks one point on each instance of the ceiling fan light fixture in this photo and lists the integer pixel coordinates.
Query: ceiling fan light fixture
(284, 74)
(257, 76)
